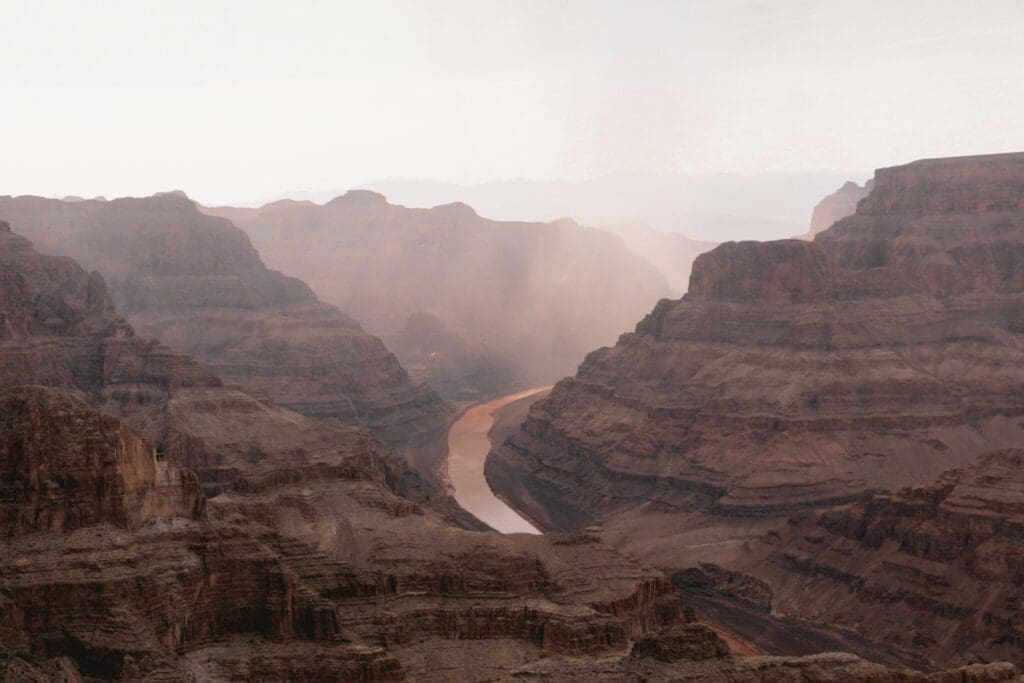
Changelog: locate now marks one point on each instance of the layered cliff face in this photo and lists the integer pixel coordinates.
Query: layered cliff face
(196, 283)
(533, 296)
(935, 569)
(66, 466)
(797, 376)
(836, 206)
(316, 574)
(60, 329)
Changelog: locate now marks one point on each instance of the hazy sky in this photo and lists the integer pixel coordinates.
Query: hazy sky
(245, 100)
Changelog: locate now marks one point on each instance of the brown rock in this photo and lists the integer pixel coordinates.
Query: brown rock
(196, 283)
(82, 469)
(799, 376)
(534, 297)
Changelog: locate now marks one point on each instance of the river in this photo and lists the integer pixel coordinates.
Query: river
(468, 446)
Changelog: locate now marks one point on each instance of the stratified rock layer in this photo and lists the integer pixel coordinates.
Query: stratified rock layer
(798, 376)
(196, 283)
(66, 466)
(58, 328)
(936, 569)
(535, 297)
(321, 574)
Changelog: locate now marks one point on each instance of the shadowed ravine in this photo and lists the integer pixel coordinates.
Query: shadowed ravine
(468, 446)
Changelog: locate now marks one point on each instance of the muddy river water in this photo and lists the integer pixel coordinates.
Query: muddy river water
(468, 446)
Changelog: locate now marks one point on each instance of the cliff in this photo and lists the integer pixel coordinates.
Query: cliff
(196, 283)
(532, 297)
(318, 578)
(796, 376)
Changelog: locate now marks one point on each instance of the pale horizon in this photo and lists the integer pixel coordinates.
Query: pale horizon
(237, 103)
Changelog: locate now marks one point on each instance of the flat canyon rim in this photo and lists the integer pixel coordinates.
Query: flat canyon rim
(468, 445)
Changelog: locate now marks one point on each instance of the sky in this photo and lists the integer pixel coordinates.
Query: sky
(237, 101)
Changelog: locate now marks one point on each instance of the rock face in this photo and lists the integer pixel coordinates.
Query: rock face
(60, 329)
(326, 575)
(798, 376)
(66, 466)
(836, 206)
(934, 569)
(534, 297)
(320, 576)
(196, 283)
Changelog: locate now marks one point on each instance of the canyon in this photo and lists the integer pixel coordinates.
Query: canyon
(822, 430)
(196, 283)
(523, 302)
(286, 553)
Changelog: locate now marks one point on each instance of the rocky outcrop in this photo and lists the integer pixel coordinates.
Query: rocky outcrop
(196, 283)
(836, 206)
(66, 466)
(534, 297)
(116, 566)
(935, 569)
(60, 329)
(797, 376)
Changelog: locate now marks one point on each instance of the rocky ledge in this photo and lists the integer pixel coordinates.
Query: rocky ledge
(797, 376)
(196, 283)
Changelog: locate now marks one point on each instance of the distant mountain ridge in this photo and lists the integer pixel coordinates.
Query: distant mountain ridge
(526, 299)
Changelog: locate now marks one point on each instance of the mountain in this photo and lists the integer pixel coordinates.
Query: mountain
(304, 565)
(196, 283)
(705, 207)
(531, 297)
(59, 328)
(796, 377)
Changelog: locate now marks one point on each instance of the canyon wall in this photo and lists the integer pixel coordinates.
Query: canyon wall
(798, 376)
(533, 297)
(196, 283)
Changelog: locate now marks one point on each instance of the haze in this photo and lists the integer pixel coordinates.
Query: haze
(240, 102)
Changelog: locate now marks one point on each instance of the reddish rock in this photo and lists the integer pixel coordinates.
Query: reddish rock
(796, 376)
(196, 283)
(534, 297)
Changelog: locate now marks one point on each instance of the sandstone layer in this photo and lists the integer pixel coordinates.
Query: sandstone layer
(534, 297)
(59, 328)
(797, 376)
(196, 283)
(113, 561)
(320, 576)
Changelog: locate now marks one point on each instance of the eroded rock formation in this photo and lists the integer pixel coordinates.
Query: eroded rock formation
(196, 283)
(116, 566)
(796, 376)
(535, 297)
(60, 329)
